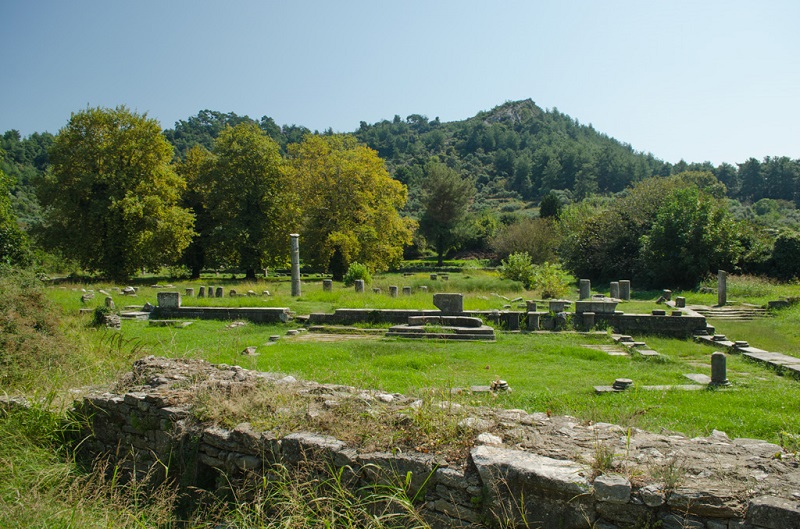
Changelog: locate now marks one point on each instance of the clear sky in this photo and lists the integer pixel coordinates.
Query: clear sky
(698, 80)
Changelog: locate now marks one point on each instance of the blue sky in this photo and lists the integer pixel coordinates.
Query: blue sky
(698, 80)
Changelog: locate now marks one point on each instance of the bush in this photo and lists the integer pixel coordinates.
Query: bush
(518, 267)
(538, 237)
(30, 339)
(551, 280)
(357, 271)
(786, 255)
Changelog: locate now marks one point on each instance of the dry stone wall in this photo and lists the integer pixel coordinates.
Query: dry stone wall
(523, 470)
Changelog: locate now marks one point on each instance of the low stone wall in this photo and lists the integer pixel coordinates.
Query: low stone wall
(683, 326)
(254, 314)
(524, 470)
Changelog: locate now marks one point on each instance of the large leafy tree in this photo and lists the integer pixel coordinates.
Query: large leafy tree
(350, 205)
(250, 201)
(111, 196)
(445, 201)
(196, 168)
(692, 235)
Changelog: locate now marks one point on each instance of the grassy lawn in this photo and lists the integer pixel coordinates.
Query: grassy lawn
(547, 372)
(554, 372)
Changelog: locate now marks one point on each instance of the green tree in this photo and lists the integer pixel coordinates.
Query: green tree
(350, 205)
(537, 237)
(691, 236)
(550, 206)
(786, 255)
(196, 169)
(111, 196)
(445, 202)
(251, 200)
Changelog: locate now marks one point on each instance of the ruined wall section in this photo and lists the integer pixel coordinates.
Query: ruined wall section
(525, 468)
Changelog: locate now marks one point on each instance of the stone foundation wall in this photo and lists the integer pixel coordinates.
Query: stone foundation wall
(254, 314)
(529, 470)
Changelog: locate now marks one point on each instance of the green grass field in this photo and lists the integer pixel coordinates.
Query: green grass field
(40, 485)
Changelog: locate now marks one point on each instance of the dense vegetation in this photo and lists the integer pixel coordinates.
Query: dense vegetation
(512, 164)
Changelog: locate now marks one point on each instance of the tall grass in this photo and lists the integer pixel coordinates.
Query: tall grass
(314, 496)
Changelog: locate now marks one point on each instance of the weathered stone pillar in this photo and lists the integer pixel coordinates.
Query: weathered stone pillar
(295, 238)
(360, 286)
(667, 294)
(189, 292)
(327, 285)
(393, 291)
(433, 277)
(534, 323)
(219, 292)
(406, 291)
(624, 289)
(531, 306)
(585, 289)
(202, 292)
(722, 288)
(719, 370)
(680, 301)
(613, 289)
(587, 320)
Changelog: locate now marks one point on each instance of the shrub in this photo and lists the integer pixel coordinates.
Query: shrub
(30, 339)
(538, 237)
(786, 255)
(357, 271)
(551, 280)
(518, 267)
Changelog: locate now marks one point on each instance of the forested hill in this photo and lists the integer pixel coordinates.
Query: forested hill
(514, 152)
(516, 146)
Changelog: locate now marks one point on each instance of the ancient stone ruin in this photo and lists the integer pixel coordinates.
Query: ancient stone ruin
(517, 469)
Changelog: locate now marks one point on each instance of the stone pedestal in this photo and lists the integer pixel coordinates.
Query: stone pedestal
(327, 285)
(535, 321)
(189, 292)
(219, 292)
(585, 289)
(613, 289)
(359, 286)
(511, 320)
(666, 294)
(449, 303)
(680, 302)
(406, 291)
(722, 288)
(433, 277)
(169, 300)
(531, 306)
(625, 289)
(719, 370)
(295, 239)
(393, 291)
(587, 320)
(202, 292)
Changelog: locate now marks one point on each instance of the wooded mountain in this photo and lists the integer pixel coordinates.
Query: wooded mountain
(516, 153)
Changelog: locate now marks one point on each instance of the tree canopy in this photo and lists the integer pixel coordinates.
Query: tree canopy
(111, 197)
(250, 201)
(446, 197)
(350, 205)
